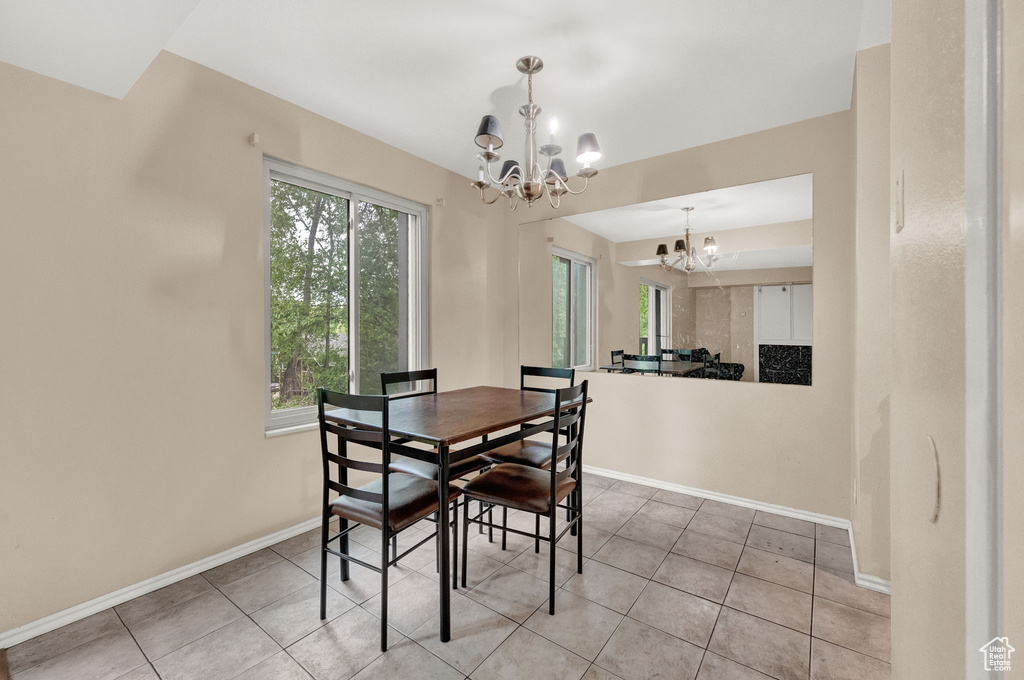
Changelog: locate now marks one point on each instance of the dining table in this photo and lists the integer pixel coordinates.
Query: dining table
(444, 420)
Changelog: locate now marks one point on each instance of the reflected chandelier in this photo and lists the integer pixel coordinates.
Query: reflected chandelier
(688, 258)
(529, 181)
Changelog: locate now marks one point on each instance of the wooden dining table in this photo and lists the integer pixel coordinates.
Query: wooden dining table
(443, 420)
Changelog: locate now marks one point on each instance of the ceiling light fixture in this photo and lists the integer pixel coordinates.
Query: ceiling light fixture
(529, 181)
(688, 259)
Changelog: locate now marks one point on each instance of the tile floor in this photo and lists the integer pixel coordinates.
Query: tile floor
(673, 587)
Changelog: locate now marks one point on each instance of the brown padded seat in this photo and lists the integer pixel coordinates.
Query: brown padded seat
(411, 499)
(536, 454)
(519, 487)
(421, 468)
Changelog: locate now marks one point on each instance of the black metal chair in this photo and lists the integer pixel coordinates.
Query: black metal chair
(529, 452)
(642, 364)
(391, 503)
(540, 491)
(616, 365)
(413, 466)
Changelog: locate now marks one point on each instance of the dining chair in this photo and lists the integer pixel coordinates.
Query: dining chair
(414, 466)
(391, 503)
(530, 452)
(642, 364)
(617, 365)
(540, 491)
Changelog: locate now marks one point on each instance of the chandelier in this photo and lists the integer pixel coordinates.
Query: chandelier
(529, 181)
(688, 259)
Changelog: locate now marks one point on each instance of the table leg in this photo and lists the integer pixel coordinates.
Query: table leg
(442, 535)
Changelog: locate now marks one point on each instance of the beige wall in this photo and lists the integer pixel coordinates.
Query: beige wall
(714, 321)
(870, 508)
(741, 330)
(133, 322)
(785, 444)
(927, 255)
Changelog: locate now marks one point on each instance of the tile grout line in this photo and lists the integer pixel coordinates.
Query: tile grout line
(137, 645)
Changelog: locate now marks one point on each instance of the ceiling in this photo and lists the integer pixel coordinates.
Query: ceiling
(787, 199)
(648, 79)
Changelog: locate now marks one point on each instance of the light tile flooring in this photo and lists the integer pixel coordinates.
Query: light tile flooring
(673, 587)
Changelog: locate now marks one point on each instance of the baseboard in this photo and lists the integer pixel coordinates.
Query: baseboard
(863, 580)
(62, 618)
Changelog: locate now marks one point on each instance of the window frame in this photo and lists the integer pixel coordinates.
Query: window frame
(666, 313)
(591, 264)
(300, 418)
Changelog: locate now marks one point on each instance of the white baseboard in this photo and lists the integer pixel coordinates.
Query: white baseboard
(863, 580)
(80, 611)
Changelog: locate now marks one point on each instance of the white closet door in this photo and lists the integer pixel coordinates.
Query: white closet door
(803, 306)
(774, 320)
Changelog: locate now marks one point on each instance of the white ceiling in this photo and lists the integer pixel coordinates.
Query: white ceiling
(102, 45)
(787, 199)
(648, 78)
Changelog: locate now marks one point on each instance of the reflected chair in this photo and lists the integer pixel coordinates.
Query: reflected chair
(541, 491)
(616, 365)
(642, 364)
(392, 503)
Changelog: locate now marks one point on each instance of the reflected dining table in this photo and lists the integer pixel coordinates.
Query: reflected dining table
(443, 420)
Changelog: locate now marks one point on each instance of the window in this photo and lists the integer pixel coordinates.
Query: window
(345, 289)
(572, 301)
(655, 317)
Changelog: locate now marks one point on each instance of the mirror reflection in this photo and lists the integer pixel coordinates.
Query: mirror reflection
(716, 285)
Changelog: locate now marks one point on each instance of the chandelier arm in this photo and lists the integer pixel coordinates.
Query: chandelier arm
(493, 200)
(553, 199)
(586, 181)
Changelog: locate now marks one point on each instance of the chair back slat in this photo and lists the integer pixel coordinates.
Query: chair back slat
(544, 372)
(617, 354)
(355, 435)
(346, 490)
(412, 378)
(353, 464)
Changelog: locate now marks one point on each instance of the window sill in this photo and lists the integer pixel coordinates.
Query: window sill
(289, 429)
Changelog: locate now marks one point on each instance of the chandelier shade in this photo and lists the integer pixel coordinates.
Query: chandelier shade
(680, 245)
(488, 135)
(587, 149)
(510, 171)
(662, 250)
(557, 171)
